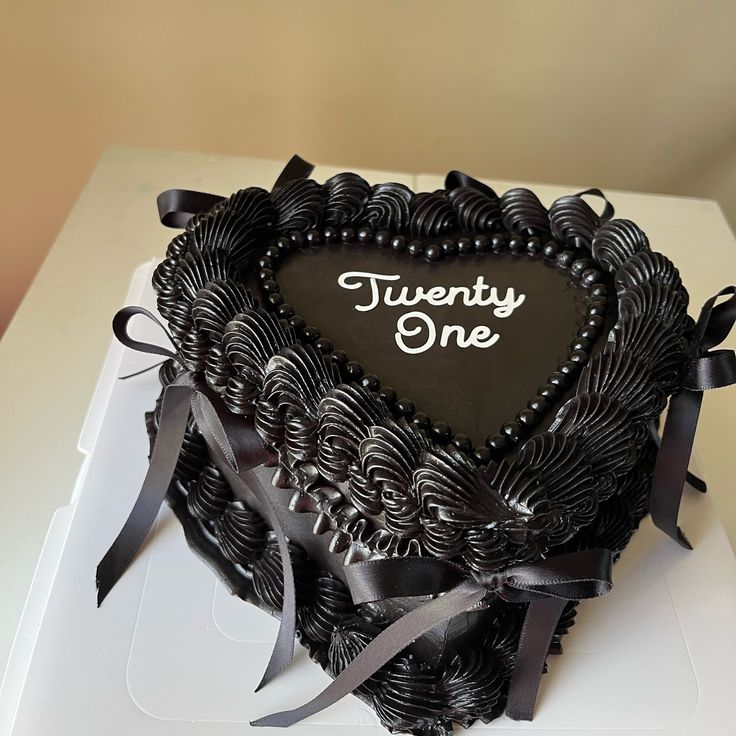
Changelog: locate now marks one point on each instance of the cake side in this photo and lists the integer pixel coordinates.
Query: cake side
(467, 669)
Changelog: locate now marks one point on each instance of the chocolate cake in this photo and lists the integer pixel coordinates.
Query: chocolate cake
(389, 400)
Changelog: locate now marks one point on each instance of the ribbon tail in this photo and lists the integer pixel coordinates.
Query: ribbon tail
(172, 427)
(141, 371)
(283, 649)
(670, 470)
(540, 623)
(236, 450)
(390, 642)
(696, 483)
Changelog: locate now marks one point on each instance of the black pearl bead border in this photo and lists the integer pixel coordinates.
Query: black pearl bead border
(582, 271)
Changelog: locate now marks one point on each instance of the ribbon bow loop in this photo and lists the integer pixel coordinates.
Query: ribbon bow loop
(706, 369)
(716, 320)
(573, 576)
(120, 323)
(715, 369)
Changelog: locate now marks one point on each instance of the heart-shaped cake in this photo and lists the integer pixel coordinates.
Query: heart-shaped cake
(445, 386)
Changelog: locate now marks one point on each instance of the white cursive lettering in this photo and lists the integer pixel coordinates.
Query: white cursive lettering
(373, 278)
(480, 294)
(403, 331)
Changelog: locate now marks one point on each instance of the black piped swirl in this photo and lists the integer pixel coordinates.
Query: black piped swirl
(364, 494)
(250, 341)
(194, 348)
(652, 326)
(388, 458)
(168, 372)
(241, 533)
(235, 226)
(345, 416)
(452, 489)
(267, 581)
(165, 284)
(409, 697)
(472, 686)
(620, 375)
(217, 303)
(348, 640)
(617, 241)
(476, 210)
(330, 604)
(573, 221)
(218, 370)
(347, 195)
(388, 207)
(178, 246)
(431, 214)
(649, 267)
(600, 427)
(524, 213)
(198, 267)
(210, 495)
(298, 379)
(299, 204)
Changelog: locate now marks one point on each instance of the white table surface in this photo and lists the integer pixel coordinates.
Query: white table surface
(54, 348)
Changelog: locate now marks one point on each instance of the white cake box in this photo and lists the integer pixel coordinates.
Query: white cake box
(171, 653)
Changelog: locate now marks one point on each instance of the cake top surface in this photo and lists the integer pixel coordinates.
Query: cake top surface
(468, 341)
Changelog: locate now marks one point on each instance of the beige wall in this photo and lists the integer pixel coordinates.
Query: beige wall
(636, 95)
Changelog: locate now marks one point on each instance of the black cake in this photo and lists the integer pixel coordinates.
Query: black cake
(451, 374)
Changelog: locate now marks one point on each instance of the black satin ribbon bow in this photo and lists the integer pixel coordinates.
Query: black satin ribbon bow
(177, 206)
(234, 445)
(691, 479)
(706, 369)
(547, 586)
